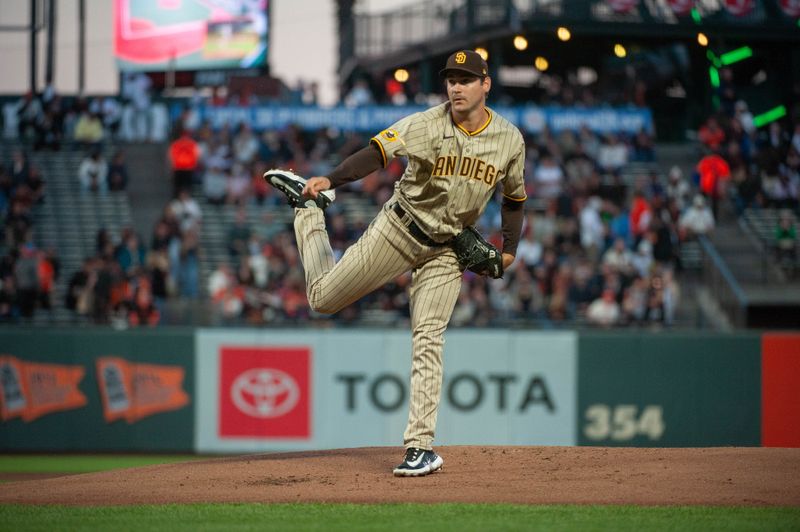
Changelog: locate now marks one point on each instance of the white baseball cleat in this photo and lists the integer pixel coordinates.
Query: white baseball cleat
(292, 185)
(418, 463)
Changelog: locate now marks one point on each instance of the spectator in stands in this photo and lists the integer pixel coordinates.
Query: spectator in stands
(29, 115)
(109, 111)
(677, 188)
(619, 257)
(643, 258)
(237, 187)
(714, 173)
(136, 91)
(118, 172)
(530, 250)
(184, 157)
(130, 254)
(593, 231)
(159, 268)
(696, 220)
(215, 183)
(634, 302)
(660, 303)
(187, 211)
(18, 223)
(88, 130)
(76, 296)
(604, 311)
(245, 145)
(786, 239)
(359, 95)
(49, 130)
(20, 169)
(189, 269)
(643, 147)
(712, 135)
(613, 154)
(26, 276)
(93, 172)
(143, 310)
(48, 268)
(548, 178)
(640, 216)
(9, 302)
(239, 236)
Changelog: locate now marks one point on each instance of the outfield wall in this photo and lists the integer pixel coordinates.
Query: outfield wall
(247, 390)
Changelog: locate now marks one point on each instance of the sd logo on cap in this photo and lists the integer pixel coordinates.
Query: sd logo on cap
(467, 61)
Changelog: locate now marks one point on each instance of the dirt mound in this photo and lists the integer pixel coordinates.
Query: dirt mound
(528, 475)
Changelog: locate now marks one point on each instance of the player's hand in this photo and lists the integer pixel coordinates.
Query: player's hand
(315, 185)
(508, 259)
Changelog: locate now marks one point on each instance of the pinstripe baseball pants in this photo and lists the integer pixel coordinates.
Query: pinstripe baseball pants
(384, 251)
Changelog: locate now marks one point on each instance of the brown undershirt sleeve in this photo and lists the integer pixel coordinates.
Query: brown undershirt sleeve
(360, 164)
(511, 214)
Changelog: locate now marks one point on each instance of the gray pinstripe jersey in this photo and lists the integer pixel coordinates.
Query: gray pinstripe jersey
(452, 173)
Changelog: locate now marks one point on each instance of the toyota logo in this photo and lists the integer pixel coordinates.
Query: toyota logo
(265, 392)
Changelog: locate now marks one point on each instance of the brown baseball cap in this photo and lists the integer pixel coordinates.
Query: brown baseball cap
(468, 61)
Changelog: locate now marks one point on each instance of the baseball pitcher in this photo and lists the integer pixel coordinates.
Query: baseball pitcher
(458, 153)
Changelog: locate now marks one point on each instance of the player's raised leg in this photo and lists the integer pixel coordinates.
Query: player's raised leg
(383, 252)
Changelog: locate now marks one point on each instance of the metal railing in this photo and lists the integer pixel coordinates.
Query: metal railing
(431, 20)
(723, 285)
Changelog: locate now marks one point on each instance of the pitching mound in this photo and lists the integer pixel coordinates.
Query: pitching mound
(528, 475)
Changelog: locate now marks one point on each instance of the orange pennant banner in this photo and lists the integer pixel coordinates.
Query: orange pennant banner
(31, 390)
(133, 391)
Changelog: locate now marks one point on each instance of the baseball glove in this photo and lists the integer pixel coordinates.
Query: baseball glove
(477, 255)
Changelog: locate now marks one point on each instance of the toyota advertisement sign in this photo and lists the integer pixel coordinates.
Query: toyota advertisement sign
(277, 390)
(264, 392)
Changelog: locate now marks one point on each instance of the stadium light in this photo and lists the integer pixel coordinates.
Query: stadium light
(401, 75)
(702, 40)
(541, 64)
(713, 75)
(620, 51)
(483, 53)
(714, 59)
(734, 56)
(770, 116)
(563, 33)
(520, 43)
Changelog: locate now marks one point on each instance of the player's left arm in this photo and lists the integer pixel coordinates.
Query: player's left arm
(512, 209)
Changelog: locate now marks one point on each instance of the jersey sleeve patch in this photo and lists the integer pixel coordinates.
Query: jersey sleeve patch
(390, 135)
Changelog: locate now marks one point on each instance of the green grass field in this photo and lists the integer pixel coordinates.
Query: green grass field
(80, 463)
(416, 517)
(347, 517)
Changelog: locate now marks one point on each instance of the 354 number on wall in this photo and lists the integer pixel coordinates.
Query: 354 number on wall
(623, 422)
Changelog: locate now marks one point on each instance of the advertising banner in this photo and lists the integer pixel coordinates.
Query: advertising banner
(29, 390)
(780, 390)
(669, 390)
(278, 390)
(96, 390)
(372, 119)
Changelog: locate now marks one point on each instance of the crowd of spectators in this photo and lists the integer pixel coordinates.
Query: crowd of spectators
(27, 273)
(750, 167)
(49, 121)
(127, 282)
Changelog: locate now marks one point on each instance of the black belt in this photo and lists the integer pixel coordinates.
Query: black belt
(415, 231)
